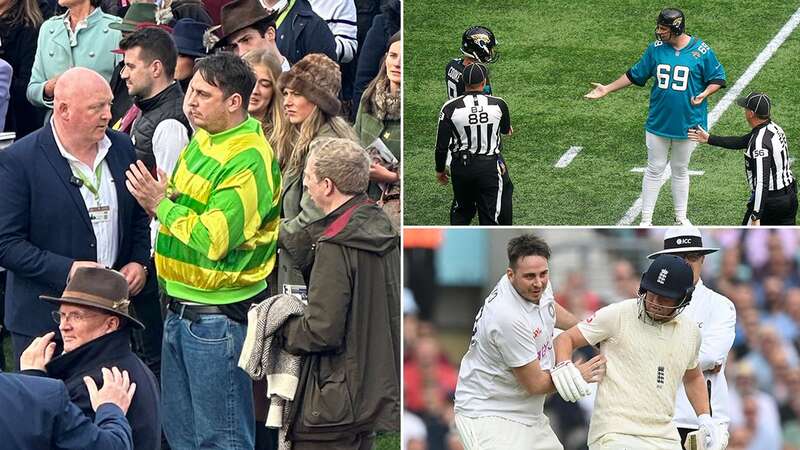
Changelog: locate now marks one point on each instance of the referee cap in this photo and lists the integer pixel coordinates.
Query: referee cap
(683, 239)
(758, 102)
(474, 73)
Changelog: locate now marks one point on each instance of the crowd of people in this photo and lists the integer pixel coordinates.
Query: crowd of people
(175, 165)
(756, 269)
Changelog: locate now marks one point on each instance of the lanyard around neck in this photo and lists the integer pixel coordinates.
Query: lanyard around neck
(285, 12)
(94, 188)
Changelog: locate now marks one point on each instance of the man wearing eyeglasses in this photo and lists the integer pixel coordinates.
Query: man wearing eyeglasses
(716, 317)
(95, 324)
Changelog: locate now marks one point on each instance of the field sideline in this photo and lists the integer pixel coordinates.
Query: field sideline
(550, 52)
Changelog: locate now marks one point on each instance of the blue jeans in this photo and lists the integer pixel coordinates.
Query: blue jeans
(206, 400)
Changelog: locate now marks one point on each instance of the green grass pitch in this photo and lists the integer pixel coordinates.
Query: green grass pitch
(550, 52)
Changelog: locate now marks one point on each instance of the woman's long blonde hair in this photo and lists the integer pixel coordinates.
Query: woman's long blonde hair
(274, 118)
(296, 139)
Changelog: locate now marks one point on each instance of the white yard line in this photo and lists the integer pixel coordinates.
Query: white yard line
(568, 156)
(730, 96)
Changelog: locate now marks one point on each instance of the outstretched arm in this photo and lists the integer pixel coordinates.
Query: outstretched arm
(702, 136)
(601, 90)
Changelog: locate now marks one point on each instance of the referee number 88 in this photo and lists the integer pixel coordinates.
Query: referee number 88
(476, 118)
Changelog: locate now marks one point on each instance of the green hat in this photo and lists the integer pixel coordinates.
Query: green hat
(138, 13)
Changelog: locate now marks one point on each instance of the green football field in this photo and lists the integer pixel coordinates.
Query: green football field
(550, 52)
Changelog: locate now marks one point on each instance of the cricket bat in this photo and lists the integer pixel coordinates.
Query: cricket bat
(696, 440)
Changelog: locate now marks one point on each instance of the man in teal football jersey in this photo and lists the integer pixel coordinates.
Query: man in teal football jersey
(686, 73)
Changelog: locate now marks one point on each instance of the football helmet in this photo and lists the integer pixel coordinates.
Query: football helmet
(672, 18)
(478, 43)
(668, 276)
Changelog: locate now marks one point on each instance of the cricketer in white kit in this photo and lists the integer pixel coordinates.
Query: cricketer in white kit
(650, 350)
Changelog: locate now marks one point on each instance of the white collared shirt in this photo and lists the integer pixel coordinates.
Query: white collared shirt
(106, 232)
(509, 332)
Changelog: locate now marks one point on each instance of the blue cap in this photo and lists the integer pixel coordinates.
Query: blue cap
(188, 37)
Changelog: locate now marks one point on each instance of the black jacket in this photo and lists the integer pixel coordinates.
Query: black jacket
(385, 24)
(303, 32)
(112, 350)
(18, 48)
(167, 104)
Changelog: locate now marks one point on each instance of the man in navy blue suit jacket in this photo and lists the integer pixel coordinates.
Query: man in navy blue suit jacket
(37, 414)
(64, 205)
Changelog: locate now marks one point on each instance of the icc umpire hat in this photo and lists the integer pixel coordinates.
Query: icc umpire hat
(683, 239)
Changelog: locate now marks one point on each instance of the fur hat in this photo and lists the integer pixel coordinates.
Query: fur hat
(317, 78)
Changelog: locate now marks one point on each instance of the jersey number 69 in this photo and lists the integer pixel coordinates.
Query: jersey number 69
(679, 75)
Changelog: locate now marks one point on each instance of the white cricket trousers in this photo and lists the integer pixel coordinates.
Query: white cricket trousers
(496, 433)
(657, 152)
(618, 441)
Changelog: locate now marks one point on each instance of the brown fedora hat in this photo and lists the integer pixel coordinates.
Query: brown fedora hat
(240, 14)
(99, 288)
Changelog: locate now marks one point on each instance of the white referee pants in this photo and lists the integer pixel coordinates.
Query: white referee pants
(618, 441)
(496, 433)
(657, 152)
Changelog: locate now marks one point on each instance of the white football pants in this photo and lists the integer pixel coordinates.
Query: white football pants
(657, 153)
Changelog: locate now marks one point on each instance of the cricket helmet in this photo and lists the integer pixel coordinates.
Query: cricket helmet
(668, 276)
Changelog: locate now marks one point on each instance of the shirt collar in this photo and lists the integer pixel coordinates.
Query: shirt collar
(73, 35)
(102, 148)
(279, 5)
(547, 295)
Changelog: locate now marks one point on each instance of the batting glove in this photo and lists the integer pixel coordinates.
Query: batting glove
(569, 382)
(711, 432)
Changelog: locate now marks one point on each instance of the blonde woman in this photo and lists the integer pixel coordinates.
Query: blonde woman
(310, 102)
(266, 101)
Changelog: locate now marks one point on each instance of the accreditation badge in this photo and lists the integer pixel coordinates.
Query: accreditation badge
(100, 214)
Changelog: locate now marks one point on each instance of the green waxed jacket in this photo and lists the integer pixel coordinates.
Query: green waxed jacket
(350, 331)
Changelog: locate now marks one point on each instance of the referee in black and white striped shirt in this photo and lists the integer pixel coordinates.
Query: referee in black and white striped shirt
(470, 127)
(773, 200)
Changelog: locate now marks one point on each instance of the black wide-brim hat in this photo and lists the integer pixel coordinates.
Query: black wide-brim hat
(99, 288)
